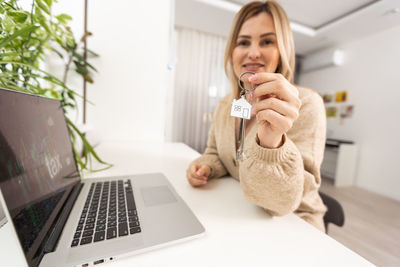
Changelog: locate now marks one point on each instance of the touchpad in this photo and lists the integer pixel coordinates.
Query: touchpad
(157, 195)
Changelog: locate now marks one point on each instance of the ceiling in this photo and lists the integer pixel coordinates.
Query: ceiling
(316, 24)
(316, 14)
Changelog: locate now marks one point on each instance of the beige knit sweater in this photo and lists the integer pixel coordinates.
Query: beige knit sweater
(281, 180)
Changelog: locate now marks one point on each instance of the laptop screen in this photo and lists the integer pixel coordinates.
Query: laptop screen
(37, 166)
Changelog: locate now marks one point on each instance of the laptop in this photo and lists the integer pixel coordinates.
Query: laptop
(62, 220)
(11, 253)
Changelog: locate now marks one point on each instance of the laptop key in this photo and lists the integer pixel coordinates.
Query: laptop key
(100, 227)
(87, 233)
(99, 236)
(133, 224)
(132, 212)
(122, 229)
(121, 213)
(133, 218)
(112, 219)
(89, 226)
(75, 242)
(135, 230)
(130, 201)
(103, 210)
(111, 232)
(86, 240)
(77, 234)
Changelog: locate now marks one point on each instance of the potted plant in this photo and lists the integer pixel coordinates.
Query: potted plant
(27, 38)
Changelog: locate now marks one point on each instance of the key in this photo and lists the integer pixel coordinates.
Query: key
(241, 137)
(132, 212)
(87, 233)
(122, 229)
(89, 226)
(135, 230)
(75, 242)
(133, 218)
(133, 224)
(112, 224)
(77, 234)
(111, 232)
(241, 109)
(99, 236)
(86, 240)
(100, 227)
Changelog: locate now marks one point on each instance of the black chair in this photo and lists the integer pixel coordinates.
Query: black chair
(334, 214)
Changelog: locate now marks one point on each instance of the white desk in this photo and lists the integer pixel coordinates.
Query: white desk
(237, 232)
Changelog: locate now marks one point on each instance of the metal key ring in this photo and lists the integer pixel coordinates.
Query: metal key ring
(240, 85)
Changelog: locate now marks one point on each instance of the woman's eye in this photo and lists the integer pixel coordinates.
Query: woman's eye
(267, 42)
(243, 43)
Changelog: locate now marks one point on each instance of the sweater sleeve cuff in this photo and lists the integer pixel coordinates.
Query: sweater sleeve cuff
(274, 155)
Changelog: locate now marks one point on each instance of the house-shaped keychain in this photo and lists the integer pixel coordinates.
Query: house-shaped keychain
(241, 108)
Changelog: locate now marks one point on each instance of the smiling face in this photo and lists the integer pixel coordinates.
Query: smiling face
(256, 46)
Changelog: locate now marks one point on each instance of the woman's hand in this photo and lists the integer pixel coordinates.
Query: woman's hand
(197, 174)
(277, 107)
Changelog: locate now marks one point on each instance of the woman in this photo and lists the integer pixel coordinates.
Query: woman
(285, 137)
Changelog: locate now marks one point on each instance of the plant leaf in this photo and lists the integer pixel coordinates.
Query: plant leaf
(57, 52)
(18, 33)
(19, 16)
(7, 23)
(92, 53)
(42, 6)
(48, 2)
(63, 18)
(88, 147)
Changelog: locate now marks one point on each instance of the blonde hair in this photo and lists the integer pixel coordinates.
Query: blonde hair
(284, 38)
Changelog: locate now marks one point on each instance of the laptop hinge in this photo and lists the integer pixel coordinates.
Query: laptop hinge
(59, 225)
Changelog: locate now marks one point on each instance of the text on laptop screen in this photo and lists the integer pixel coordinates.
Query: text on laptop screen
(36, 163)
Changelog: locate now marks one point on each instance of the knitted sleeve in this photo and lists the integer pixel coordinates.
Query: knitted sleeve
(210, 156)
(274, 179)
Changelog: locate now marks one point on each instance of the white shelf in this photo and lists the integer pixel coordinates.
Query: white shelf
(340, 159)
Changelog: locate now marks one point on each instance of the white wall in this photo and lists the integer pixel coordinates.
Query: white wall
(371, 75)
(132, 39)
(129, 92)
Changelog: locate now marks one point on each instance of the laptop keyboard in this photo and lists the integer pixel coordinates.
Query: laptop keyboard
(109, 212)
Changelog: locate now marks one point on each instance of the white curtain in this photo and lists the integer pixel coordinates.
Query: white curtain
(199, 83)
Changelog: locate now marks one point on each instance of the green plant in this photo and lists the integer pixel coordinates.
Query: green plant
(27, 39)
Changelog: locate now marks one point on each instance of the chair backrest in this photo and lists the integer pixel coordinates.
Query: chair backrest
(335, 213)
